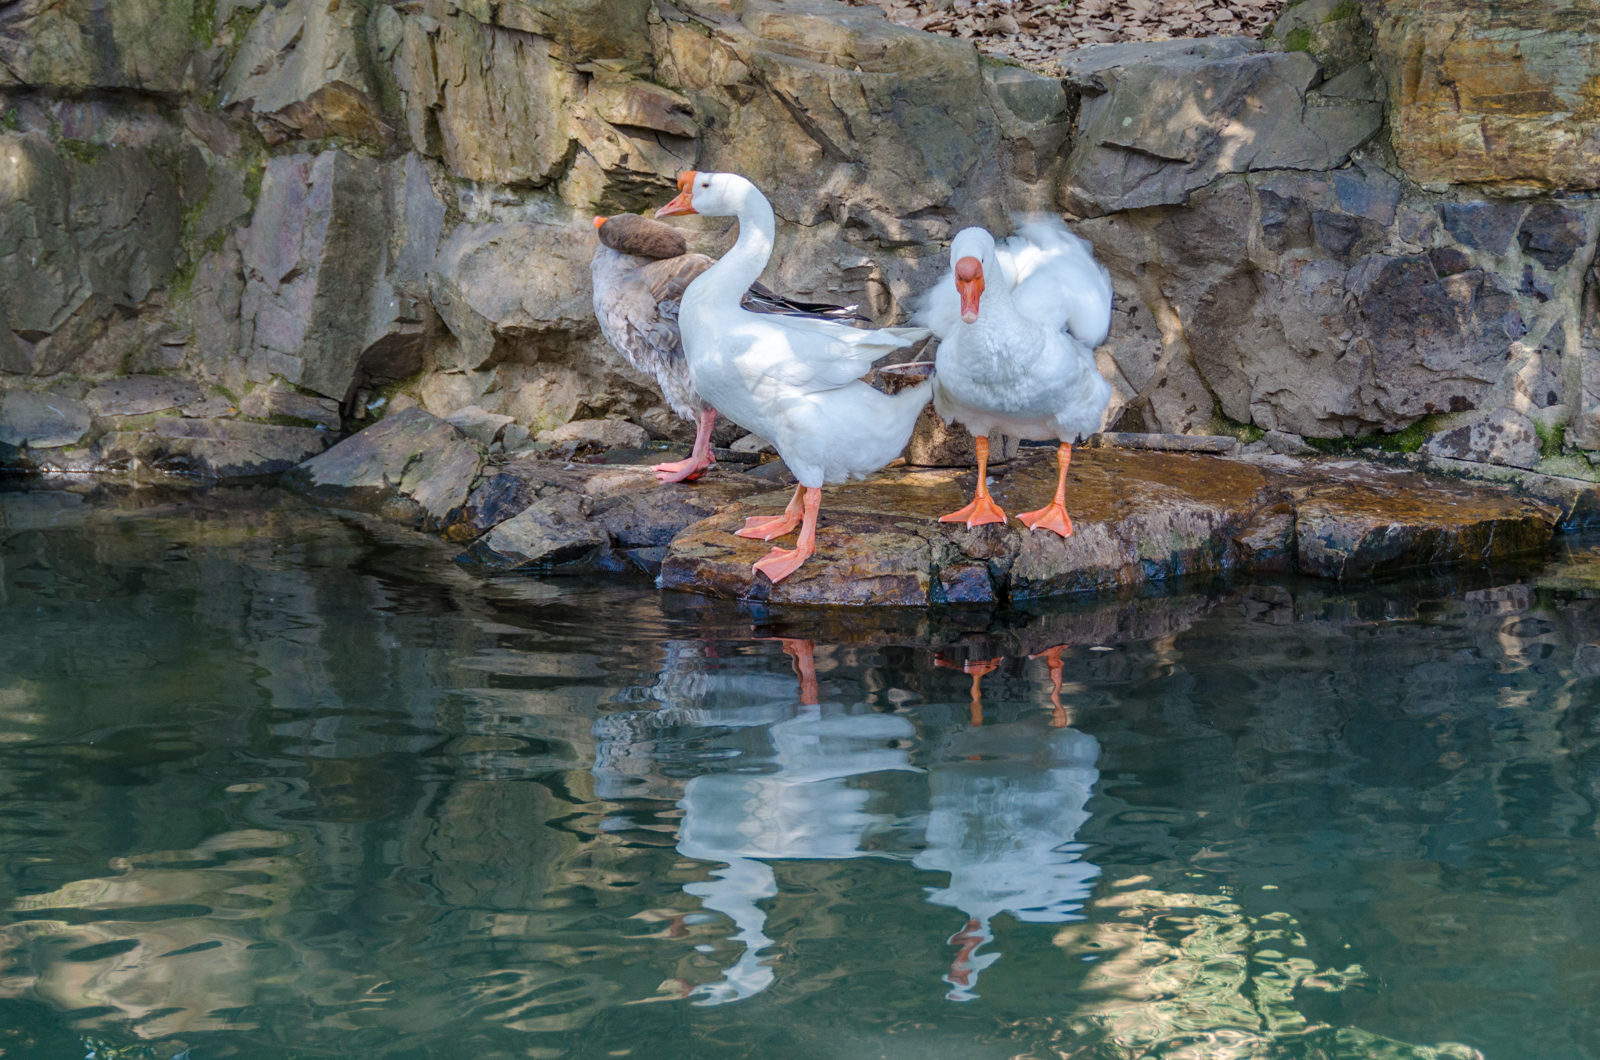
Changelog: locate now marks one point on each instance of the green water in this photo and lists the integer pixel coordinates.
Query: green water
(279, 783)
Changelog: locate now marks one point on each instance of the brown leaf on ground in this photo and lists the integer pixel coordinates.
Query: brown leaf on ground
(1036, 32)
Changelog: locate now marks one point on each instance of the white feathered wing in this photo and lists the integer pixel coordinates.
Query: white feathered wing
(1054, 278)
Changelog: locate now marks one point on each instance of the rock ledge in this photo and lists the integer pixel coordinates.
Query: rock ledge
(1139, 517)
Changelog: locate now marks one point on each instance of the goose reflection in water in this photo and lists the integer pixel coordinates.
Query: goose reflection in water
(803, 806)
(1005, 803)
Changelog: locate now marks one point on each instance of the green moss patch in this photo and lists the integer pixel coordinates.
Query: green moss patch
(82, 152)
(1245, 432)
(1407, 440)
(1551, 439)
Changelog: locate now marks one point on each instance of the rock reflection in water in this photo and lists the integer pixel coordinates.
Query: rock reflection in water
(176, 943)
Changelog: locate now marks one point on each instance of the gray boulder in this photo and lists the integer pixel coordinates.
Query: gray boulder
(81, 45)
(1337, 303)
(136, 395)
(607, 434)
(313, 255)
(41, 420)
(478, 424)
(403, 326)
(410, 466)
(269, 401)
(935, 443)
(1483, 225)
(1435, 344)
(1505, 436)
(495, 103)
(77, 240)
(495, 283)
(1179, 118)
(299, 72)
(551, 531)
(517, 298)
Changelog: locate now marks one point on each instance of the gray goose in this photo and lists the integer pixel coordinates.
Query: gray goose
(640, 270)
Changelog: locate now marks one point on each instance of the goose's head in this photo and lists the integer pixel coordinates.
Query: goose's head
(708, 194)
(971, 254)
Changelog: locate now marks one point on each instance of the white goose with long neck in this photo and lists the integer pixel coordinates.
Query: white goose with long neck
(1017, 326)
(719, 286)
(791, 380)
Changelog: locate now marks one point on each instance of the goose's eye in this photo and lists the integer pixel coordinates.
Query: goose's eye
(707, 184)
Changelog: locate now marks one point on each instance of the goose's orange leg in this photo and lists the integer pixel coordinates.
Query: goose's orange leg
(967, 941)
(805, 667)
(767, 527)
(977, 668)
(780, 563)
(983, 509)
(700, 457)
(1052, 657)
(1053, 516)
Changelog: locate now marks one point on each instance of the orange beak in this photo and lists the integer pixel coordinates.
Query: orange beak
(969, 284)
(598, 221)
(684, 203)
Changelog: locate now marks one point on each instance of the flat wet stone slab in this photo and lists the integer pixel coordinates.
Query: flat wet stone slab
(137, 395)
(211, 448)
(1360, 520)
(527, 513)
(584, 512)
(1138, 517)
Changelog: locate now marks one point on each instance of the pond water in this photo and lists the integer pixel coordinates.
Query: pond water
(276, 782)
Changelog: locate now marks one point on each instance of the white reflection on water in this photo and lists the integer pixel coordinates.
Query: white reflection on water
(1000, 813)
(1004, 809)
(806, 808)
(795, 792)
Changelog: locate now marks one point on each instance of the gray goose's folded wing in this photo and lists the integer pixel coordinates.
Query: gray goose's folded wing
(637, 306)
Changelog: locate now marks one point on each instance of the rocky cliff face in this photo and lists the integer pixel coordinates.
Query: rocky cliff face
(1373, 220)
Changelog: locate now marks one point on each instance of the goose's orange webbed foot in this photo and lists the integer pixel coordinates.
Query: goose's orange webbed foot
(981, 511)
(767, 527)
(782, 562)
(699, 459)
(683, 470)
(1052, 517)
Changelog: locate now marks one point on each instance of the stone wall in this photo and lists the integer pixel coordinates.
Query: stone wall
(1378, 219)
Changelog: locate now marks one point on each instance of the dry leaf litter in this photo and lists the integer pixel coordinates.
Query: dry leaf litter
(1036, 32)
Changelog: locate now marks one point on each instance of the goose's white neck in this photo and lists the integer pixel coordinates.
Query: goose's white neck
(728, 280)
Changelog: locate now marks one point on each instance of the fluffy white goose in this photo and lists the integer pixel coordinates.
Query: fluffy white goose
(640, 269)
(1017, 325)
(793, 380)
